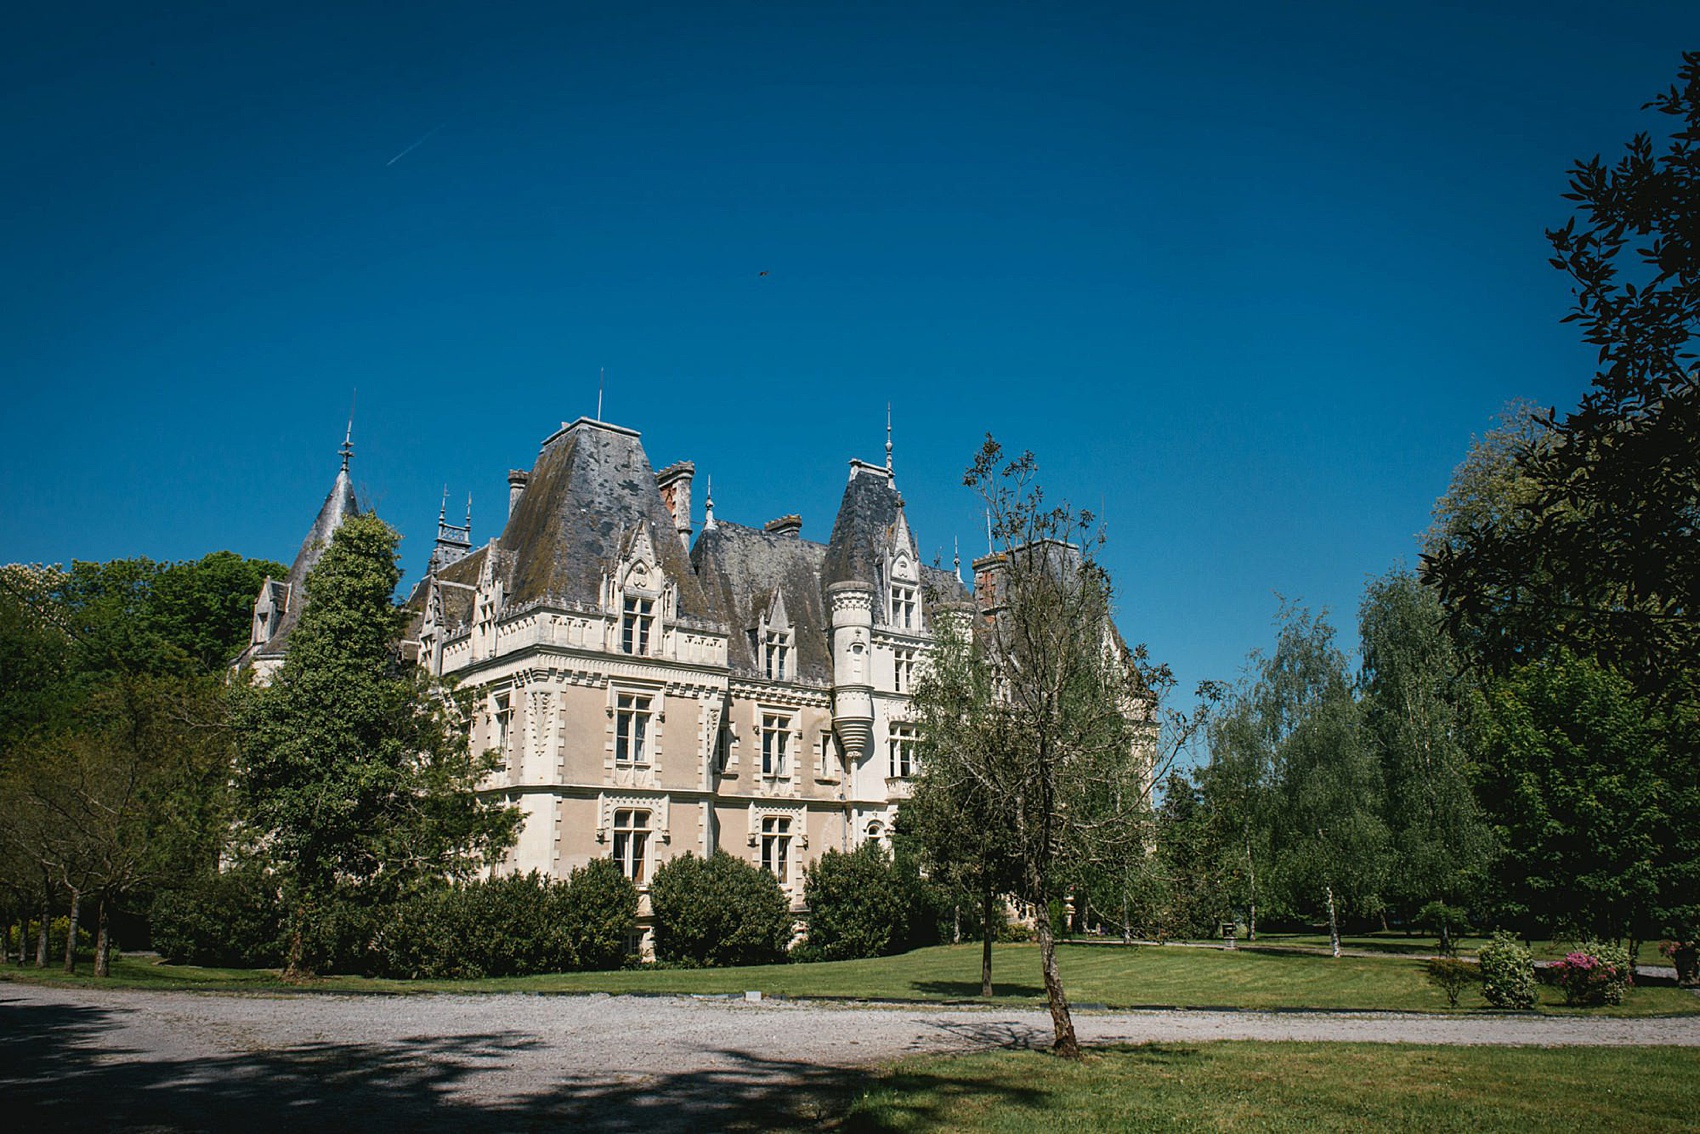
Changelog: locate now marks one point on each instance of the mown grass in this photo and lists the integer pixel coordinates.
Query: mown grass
(1111, 976)
(1262, 1088)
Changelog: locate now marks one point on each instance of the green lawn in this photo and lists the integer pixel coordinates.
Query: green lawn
(1096, 975)
(1266, 1087)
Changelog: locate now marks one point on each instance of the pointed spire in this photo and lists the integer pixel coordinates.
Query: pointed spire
(443, 509)
(469, 513)
(888, 437)
(347, 449)
(708, 506)
(956, 557)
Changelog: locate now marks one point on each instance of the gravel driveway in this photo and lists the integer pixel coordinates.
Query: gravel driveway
(172, 1061)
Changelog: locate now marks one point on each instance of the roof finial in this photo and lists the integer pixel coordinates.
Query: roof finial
(888, 437)
(956, 557)
(469, 514)
(708, 506)
(601, 380)
(347, 449)
(443, 509)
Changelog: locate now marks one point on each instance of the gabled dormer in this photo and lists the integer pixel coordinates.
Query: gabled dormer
(902, 573)
(487, 603)
(638, 593)
(775, 641)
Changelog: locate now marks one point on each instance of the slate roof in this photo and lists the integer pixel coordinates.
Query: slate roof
(339, 505)
(591, 488)
(740, 569)
(867, 516)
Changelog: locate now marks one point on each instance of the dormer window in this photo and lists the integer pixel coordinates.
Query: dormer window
(903, 606)
(776, 655)
(637, 619)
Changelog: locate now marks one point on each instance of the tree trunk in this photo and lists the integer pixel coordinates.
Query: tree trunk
(1062, 1023)
(956, 924)
(1333, 921)
(103, 941)
(988, 931)
(46, 917)
(294, 965)
(1251, 874)
(71, 931)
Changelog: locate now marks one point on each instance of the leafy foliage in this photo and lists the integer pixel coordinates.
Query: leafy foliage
(513, 925)
(859, 905)
(1451, 976)
(718, 910)
(1414, 714)
(1570, 777)
(1508, 972)
(355, 775)
(1036, 727)
(230, 919)
(1593, 974)
(1601, 556)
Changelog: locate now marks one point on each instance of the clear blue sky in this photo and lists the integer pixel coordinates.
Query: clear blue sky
(1248, 275)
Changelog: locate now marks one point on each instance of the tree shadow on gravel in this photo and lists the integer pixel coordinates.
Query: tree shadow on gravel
(60, 1071)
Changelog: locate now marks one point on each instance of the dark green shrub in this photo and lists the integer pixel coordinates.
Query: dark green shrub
(718, 911)
(1508, 973)
(513, 925)
(599, 913)
(1452, 976)
(232, 919)
(858, 904)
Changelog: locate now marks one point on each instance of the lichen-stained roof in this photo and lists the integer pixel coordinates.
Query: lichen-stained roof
(867, 517)
(339, 505)
(459, 583)
(941, 586)
(740, 568)
(590, 489)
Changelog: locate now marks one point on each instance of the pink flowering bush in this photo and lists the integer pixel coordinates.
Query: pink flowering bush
(1594, 974)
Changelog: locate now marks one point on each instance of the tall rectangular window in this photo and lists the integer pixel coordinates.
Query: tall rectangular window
(903, 607)
(903, 670)
(503, 724)
(776, 654)
(637, 618)
(902, 751)
(631, 729)
(631, 844)
(776, 847)
(775, 744)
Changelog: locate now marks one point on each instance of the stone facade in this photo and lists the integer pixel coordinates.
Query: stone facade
(651, 696)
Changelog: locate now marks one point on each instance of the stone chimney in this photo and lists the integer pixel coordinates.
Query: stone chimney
(516, 488)
(790, 525)
(674, 481)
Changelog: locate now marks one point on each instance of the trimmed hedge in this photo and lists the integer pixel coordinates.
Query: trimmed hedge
(508, 926)
(514, 925)
(718, 911)
(228, 920)
(859, 905)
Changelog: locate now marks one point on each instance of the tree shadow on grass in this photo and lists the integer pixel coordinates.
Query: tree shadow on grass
(970, 989)
(63, 1069)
